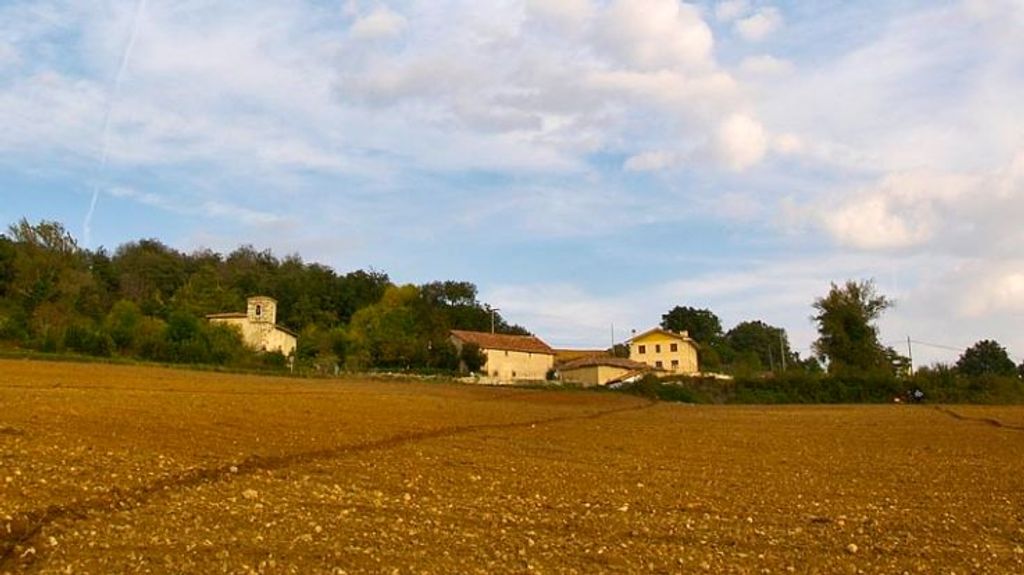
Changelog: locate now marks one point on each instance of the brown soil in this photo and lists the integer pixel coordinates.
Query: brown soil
(108, 469)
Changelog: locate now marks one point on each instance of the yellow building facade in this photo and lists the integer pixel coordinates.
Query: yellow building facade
(674, 352)
(258, 326)
(510, 358)
(596, 370)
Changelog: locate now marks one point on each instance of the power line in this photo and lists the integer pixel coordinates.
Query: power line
(939, 346)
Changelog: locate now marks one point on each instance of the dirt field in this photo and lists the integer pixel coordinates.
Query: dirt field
(137, 470)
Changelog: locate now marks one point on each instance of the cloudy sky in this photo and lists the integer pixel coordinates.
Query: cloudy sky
(586, 163)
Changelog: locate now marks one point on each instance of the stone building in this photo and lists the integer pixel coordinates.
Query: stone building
(258, 326)
(510, 358)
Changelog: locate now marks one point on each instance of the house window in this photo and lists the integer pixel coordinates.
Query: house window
(674, 347)
(657, 348)
(641, 349)
(259, 310)
(675, 364)
(658, 364)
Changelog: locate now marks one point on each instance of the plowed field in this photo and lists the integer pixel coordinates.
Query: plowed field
(107, 469)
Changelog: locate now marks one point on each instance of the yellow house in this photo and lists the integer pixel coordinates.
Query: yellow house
(258, 326)
(674, 352)
(597, 370)
(510, 358)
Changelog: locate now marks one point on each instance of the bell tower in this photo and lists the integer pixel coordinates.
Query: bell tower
(262, 309)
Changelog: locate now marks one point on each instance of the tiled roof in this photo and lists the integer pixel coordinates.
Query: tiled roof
(682, 336)
(567, 355)
(606, 360)
(524, 343)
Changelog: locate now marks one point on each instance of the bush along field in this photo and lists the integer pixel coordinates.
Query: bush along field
(940, 385)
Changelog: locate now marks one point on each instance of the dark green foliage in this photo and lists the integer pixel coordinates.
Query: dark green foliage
(941, 384)
(7, 255)
(848, 338)
(89, 340)
(472, 357)
(702, 325)
(148, 274)
(986, 357)
(947, 384)
(758, 346)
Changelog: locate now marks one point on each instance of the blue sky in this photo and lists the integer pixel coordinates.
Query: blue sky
(585, 163)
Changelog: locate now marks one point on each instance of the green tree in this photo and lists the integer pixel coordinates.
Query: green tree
(123, 323)
(398, 331)
(50, 276)
(702, 325)
(472, 357)
(149, 273)
(986, 357)
(204, 293)
(757, 345)
(848, 338)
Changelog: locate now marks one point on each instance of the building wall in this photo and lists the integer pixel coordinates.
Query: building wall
(593, 375)
(262, 309)
(261, 336)
(517, 365)
(656, 351)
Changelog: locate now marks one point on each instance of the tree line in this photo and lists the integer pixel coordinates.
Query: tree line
(147, 300)
(849, 363)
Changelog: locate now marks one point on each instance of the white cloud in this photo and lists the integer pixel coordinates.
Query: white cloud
(741, 142)
(760, 24)
(729, 10)
(957, 212)
(656, 34)
(381, 23)
(570, 15)
(787, 144)
(766, 65)
(651, 161)
(216, 209)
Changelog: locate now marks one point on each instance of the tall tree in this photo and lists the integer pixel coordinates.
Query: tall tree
(847, 336)
(148, 273)
(760, 345)
(986, 357)
(702, 325)
(50, 276)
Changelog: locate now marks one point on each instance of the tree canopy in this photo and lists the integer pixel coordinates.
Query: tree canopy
(848, 338)
(702, 324)
(148, 300)
(986, 357)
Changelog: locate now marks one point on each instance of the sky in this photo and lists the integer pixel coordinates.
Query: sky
(588, 164)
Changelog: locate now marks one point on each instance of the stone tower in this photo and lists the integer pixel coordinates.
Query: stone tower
(262, 310)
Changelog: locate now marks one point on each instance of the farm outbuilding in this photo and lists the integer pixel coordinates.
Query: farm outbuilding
(596, 370)
(510, 358)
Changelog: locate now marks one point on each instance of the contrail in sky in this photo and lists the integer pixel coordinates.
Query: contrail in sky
(140, 7)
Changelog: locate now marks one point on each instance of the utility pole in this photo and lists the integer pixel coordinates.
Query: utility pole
(492, 310)
(910, 356)
(771, 360)
(782, 352)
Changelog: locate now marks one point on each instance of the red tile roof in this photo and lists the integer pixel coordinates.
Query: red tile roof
(523, 343)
